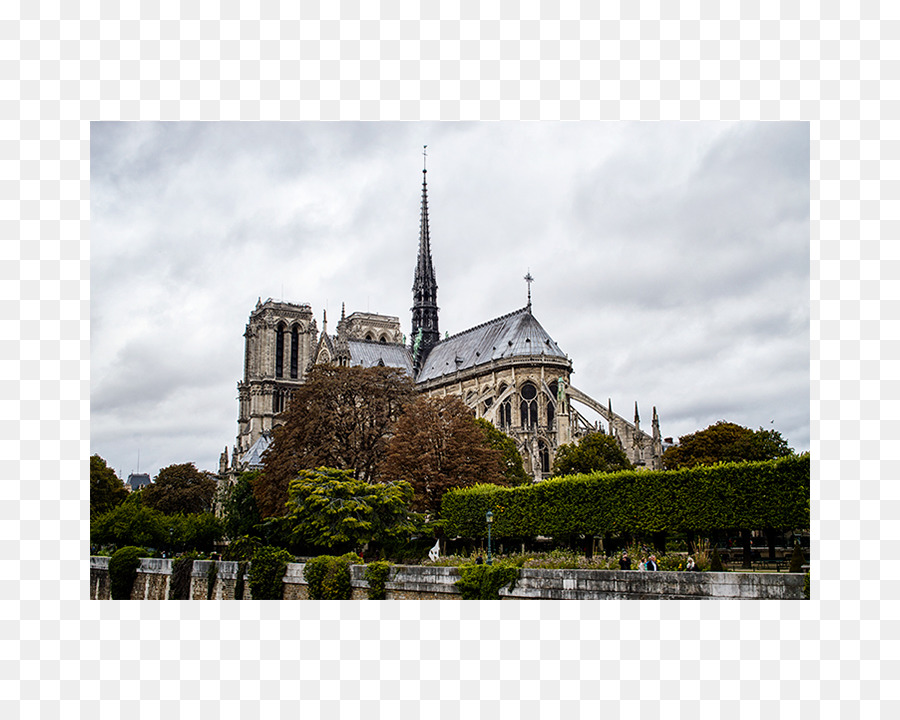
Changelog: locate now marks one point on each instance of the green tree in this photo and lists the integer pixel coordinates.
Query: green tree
(328, 507)
(725, 442)
(107, 490)
(340, 417)
(239, 510)
(130, 523)
(594, 453)
(437, 447)
(181, 489)
(511, 460)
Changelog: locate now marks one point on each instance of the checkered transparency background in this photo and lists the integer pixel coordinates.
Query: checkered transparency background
(64, 64)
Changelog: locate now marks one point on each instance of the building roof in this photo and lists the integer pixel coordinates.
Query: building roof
(253, 457)
(373, 354)
(138, 480)
(515, 335)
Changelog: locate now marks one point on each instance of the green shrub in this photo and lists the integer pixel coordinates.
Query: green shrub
(123, 566)
(180, 586)
(267, 572)
(483, 582)
(328, 576)
(376, 575)
(211, 576)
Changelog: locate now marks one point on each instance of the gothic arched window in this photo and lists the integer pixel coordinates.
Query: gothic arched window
(528, 406)
(544, 452)
(551, 412)
(505, 413)
(279, 350)
(295, 345)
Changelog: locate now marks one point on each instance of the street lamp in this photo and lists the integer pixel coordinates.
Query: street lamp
(490, 519)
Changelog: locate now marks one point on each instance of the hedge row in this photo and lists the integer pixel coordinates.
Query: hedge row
(749, 495)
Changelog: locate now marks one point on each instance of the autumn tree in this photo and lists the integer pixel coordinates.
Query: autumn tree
(437, 446)
(510, 457)
(725, 442)
(340, 417)
(593, 453)
(107, 490)
(181, 489)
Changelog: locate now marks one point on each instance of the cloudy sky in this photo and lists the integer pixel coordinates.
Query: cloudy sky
(671, 260)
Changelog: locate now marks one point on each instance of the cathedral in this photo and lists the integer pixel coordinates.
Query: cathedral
(507, 370)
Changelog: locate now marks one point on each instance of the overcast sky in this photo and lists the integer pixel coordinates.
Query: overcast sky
(670, 260)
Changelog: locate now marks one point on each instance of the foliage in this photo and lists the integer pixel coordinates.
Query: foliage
(123, 567)
(328, 576)
(796, 559)
(199, 531)
(211, 575)
(242, 548)
(129, 524)
(267, 572)
(511, 464)
(715, 564)
(181, 489)
(239, 512)
(329, 507)
(702, 499)
(107, 490)
(376, 575)
(594, 453)
(725, 442)
(340, 417)
(483, 582)
(437, 447)
(180, 585)
(239, 581)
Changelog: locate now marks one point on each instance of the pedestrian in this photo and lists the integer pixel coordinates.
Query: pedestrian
(479, 560)
(651, 564)
(690, 564)
(643, 564)
(625, 562)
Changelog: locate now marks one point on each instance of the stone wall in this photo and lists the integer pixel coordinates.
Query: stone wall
(416, 582)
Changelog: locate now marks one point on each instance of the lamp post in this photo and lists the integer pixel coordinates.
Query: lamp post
(490, 519)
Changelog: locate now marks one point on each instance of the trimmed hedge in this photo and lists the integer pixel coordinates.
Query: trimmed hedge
(747, 495)
(376, 575)
(267, 572)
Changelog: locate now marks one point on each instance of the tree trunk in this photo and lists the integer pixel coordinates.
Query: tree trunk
(771, 537)
(748, 549)
(659, 542)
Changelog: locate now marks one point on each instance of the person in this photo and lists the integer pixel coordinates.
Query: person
(690, 565)
(651, 563)
(479, 560)
(625, 562)
(643, 563)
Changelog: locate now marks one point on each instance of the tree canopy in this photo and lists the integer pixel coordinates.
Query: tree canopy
(340, 417)
(240, 516)
(107, 490)
(511, 459)
(181, 489)
(725, 442)
(438, 446)
(329, 507)
(594, 453)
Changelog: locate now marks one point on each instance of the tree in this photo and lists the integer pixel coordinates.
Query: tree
(340, 417)
(181, 489)
(438, 446)
(239, 510)
(594, 453)
(107, 490)
(725, 442)
(328, 507)
(130, 523)
(511, 460)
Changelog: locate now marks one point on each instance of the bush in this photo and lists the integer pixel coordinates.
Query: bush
(123, 566)
(483, 582)
(376, 575)
(180, 587)
(267, 572)
(328, 576)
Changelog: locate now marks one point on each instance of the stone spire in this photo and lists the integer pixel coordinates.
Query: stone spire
(637, 417)
(424, 309)
(656, 434)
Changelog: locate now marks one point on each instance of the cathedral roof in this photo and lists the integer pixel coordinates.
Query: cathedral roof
(253, 457)
(514, 335)
(373, 354)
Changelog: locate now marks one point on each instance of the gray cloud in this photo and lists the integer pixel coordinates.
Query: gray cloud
(671, 260)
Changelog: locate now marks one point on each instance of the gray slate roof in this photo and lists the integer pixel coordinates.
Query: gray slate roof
(373, 354)
(253, 457)
(514, 335)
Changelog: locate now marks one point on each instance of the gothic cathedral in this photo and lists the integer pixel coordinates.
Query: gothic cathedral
(507, 370)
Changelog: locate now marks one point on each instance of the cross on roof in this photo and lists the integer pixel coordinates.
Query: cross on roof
(529, 280)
